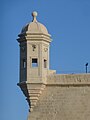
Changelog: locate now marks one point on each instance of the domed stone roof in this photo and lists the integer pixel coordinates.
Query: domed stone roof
(34, 26)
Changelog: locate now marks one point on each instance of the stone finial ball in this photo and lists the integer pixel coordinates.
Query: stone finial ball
(34, 14)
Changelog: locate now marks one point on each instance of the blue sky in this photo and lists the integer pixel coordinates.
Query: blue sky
(68, 21)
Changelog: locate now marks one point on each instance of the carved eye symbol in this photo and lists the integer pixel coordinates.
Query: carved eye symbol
(45, 49)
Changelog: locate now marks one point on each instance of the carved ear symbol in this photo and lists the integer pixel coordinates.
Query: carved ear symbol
(34, 47)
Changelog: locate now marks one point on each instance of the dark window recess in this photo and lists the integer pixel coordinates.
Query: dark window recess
(45, 63)
(34, 62)
(24, 63)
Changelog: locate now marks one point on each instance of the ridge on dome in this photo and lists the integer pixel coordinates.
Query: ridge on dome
(34, 26)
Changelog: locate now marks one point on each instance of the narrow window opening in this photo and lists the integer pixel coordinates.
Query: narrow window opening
(34, 62)
(45, 63)
(24, 63)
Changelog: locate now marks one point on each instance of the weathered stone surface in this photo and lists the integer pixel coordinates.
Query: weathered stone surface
(69, 79)
(63, 103)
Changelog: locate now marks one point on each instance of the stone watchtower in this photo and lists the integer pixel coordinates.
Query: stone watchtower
(50, 96)
(34, 41)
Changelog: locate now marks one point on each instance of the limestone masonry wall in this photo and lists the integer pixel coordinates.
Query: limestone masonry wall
(65, 97)
(69, 79)
(62, 103)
